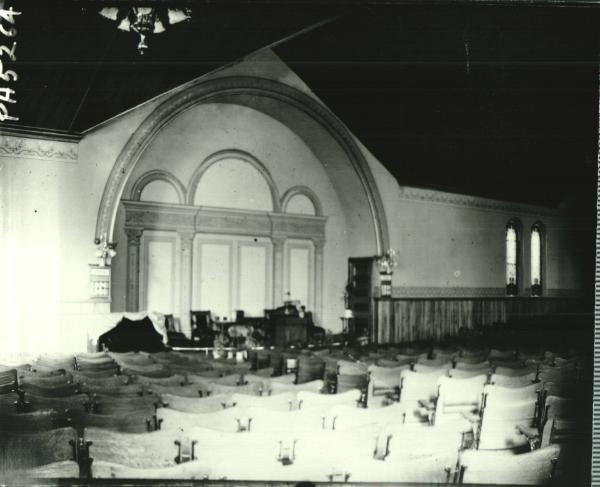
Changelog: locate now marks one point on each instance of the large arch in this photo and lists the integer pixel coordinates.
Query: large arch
(230, 89)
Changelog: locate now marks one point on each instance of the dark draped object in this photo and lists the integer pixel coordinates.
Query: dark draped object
(132, 336)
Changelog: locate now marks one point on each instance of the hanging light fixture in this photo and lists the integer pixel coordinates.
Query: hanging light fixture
(145, 21)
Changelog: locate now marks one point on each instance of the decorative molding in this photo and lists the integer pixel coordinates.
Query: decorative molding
(198, 219)
(159, 216)
(448, 292)
(39, 133)
(475, 202)
(230, 89)
(44, 150)
(408, 292)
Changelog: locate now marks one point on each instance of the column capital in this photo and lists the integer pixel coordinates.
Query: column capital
(134, 235)
(186, 239)
(278, 240)
(319, 244)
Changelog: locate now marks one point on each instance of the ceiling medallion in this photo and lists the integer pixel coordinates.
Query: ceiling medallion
(145, 20)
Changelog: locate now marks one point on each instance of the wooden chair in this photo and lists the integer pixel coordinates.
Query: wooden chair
(47, 382)
(409, 453)
(115, 405)
(296, 422)
(498, 427)
(209, 404)
(445, 354)
(128, 390)
(99, 362)
(505, 467)
(472, 363)
(229, 420)
(515, 372)
(83, 375)
(140, 422)
(101, 365)
(26, 450)
(310, 367)
(417, 387)
(497, 356)
(33, 422)
(495, 395)
(279, 402)
(41, 373)
(155, 449)
(8, 381)
(191, 390)
(67, 469)
(513, 381)
(33, 402)
(193, 470)
(151, 371)
(384, 385)
(557, 374)
(474, 357)
(562, 421)
(248, 389)
(469, 373)
(456, 398)
(308, 400)
(139, 358)
(92, 355)
(49, 362)
(342, 417)
(281, 387)
(427, 366)
(171, 380)
(51, 391)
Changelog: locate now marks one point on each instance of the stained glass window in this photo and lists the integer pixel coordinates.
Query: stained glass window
(536, 260)
(512, 260)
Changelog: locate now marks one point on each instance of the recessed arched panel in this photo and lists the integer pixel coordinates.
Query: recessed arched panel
(301, 204)
(160, 192)
(158, 186)
(301, 200)
(233, 179)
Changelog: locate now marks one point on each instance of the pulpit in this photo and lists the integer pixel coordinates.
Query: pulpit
(287, 327)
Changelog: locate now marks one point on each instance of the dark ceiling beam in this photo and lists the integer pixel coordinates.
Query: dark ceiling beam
(444, 3)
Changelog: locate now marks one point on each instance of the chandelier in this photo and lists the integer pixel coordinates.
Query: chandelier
(145, 21)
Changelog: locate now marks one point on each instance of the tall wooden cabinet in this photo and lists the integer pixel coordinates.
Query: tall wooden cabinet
(362, 274)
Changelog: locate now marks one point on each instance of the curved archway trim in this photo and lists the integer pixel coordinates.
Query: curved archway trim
(305, 191)
(158, 175)
(210, 91)
(232, 154)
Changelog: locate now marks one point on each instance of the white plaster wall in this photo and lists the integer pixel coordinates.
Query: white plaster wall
(201, 131)
(447, 245)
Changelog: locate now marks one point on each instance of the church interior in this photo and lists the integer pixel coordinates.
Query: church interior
(298, 242)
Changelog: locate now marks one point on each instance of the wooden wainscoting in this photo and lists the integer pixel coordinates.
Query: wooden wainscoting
(399, 320)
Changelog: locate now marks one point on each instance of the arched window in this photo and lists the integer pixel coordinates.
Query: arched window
(536, 259)
(512, 258)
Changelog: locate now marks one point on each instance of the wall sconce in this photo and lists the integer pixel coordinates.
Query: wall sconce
(105, 251)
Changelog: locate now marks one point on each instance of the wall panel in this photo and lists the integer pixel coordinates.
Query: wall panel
(410, 320)
(159, 280)
(253, 279)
